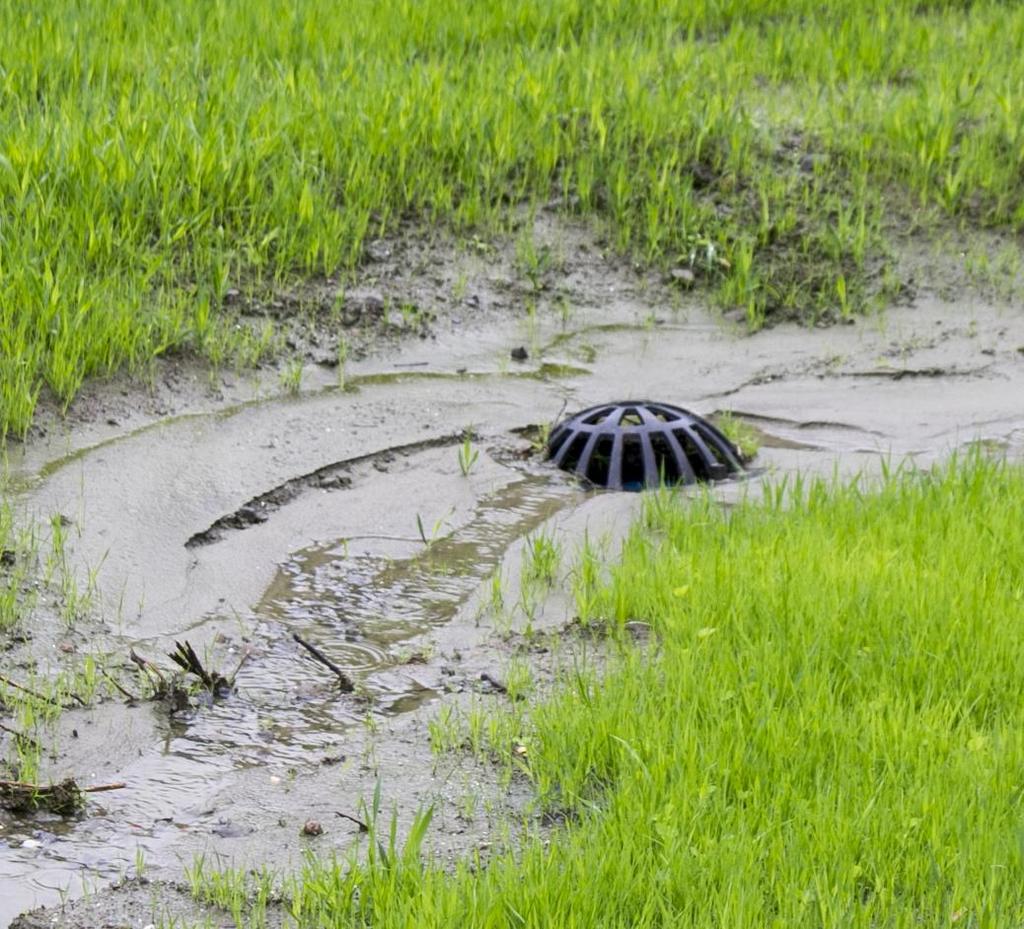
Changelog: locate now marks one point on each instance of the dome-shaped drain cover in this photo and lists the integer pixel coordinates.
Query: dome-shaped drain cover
(630, 446)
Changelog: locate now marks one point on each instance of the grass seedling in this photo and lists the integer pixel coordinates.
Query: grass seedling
(497, 593)
(443, 731)
(436, 531)
(743, 436)
(467, 455)
(533, 261)
(291, 377)
(342, 358)
(518, 679)
(585, 581)
(542, 555)
(18, 555)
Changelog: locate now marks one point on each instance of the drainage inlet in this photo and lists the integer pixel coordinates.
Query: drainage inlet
(639, 444)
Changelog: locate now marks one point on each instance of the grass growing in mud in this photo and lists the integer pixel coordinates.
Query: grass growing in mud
(154, 155)
(830, 731)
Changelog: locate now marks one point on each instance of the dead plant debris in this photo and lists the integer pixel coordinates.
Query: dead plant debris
(64, 798)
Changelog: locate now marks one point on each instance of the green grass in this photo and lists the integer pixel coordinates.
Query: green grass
(740, 433)
(154, 155)
(829, 733)
(18, 553)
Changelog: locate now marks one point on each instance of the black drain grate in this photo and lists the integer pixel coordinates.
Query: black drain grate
(630, 446)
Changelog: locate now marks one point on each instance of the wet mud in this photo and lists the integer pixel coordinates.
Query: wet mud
(387, 516)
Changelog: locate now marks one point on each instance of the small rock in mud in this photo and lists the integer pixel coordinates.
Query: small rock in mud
(519, 353)
(311, 827)
(373, 305)
(230, 830)
(37, 919)
(492, 683)
(639, 630)
(683, 277)
(249, 515)
(333, 481)
(378, 250)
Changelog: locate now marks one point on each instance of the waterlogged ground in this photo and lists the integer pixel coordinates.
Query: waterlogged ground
(237, 513)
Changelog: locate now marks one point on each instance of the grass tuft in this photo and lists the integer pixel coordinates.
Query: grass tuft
(830, 733)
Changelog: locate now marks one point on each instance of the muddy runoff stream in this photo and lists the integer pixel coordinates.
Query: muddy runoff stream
(345, 515)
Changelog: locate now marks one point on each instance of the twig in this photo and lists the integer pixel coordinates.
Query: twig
(39, 788)
(246, 655)
(117, 684)
(21, 735)
(346, 682)
(64, 798)
(148, 667)
(31, 693)
(352, 819)
(103, 788)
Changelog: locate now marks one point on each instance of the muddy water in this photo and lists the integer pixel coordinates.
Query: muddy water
(363, 600)
(323, 507)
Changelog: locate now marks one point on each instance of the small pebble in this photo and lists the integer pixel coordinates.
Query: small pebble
(312, 827)
(684, 277)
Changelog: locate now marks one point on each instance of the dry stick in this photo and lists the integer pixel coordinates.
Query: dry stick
(346, 682)
(147, 666)
(31, 693)
(352, 819)
(77, 699)
(39, 788)
(246, 655)
(117, 684)
(102, 788)
(21, 735)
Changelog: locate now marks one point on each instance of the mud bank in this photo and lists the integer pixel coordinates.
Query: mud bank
(344, 513)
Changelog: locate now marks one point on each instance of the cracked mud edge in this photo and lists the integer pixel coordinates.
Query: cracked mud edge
(333, 476)
(898, 374)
